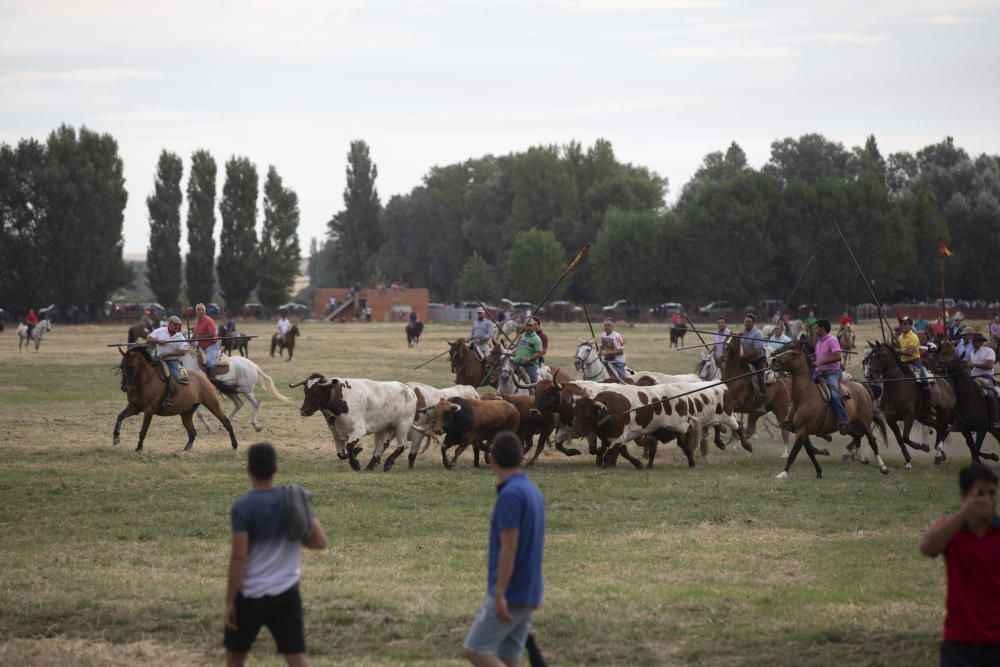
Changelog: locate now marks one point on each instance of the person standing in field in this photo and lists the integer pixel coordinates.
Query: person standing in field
(265, 562)
(970, 542)
(514, 590)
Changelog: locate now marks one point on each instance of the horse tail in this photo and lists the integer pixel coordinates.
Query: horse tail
(268, 383)
(224, 387)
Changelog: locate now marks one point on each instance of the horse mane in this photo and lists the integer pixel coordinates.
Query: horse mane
(142, 351)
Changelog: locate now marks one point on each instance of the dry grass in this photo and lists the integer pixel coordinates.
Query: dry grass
(116, 558)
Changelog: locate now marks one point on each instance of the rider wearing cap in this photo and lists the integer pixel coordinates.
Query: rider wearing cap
(981, 361)
(170, 347)
(754, 354)
(481, 335)
(964, 349)
(829, 370)
(909, 350)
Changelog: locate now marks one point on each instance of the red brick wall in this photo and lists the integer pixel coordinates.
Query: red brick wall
(381, 301)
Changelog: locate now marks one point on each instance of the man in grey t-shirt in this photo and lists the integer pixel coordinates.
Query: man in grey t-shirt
(263, 581)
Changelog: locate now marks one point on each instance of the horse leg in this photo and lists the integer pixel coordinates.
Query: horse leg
(127, 412)
(907, 426)
(255, 404)
(237, 404)
(187, 418)
(784, 439)
(147, 417)
(201, 417)
(979, 445)
(882, 467)
(800, 439)
(901, 440)
(811, 451)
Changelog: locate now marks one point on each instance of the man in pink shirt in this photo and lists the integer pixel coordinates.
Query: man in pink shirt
(828, 369)
(206, 333)
(995, 331)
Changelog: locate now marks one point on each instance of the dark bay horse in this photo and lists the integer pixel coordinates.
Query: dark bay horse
(972, 412)
(777, 396)
(413, 332)
(287, 344)
(677, 333)
(907, 402)
(137, 331)
(232, 340)
(145, 389)
(814, 416)
(467, 367)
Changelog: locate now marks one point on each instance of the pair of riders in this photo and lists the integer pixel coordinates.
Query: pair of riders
(530, 345)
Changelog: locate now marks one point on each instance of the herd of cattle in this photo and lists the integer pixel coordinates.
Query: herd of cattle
(656, 408)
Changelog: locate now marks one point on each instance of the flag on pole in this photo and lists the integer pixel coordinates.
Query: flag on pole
(576, 260)
(943, 250)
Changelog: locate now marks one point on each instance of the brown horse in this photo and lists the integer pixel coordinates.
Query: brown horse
(145, 388)
(846, 338)
(467, 367)
(777, 398)
(413, 332)
(907, 402)
(814, 416)
(287, 344)
(138, 331)
(972, 412)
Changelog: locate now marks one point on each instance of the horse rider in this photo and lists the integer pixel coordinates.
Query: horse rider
(938, 330)
(613, 348)
(481, 335)
(206, 333)
(909, 351)
(414, 318)
(229, 328)
(719, 344)
(995, 331)
(828, 370)
(31, 321)
(754, 355)
(957, 325)
(529, 349)
(964, 349)
(283, 326)
(778, 339)
(845, 323)
(170, 347)
(543, 336)
(981, 362)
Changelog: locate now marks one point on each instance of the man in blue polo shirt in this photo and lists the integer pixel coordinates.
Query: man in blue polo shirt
(514, 568)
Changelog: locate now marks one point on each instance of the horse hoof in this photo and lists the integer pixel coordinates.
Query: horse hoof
(258, 428)
(782, 475)
(355, 466)
(116, 441)
(865, 460)
(924, 447)
(908, 466)
(819, 475)
(884, 470)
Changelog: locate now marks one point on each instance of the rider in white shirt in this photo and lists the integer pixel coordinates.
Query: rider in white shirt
(283, 326)
(170, 347)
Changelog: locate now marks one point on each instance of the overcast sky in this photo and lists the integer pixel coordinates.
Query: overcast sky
(432, 82)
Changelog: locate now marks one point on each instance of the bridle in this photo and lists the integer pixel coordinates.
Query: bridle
(585, 364)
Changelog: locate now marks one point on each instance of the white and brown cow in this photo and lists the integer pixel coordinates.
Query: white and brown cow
(355, 407)
(465, 422)
(423, 418)
(663, 412)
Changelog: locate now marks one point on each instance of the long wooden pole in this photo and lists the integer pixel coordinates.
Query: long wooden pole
(869, 285)
(944, 315)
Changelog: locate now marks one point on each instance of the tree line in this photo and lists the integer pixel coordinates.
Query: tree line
(62, 208)
(507, 225)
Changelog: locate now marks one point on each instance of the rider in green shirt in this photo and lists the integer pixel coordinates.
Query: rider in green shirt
(529, 350)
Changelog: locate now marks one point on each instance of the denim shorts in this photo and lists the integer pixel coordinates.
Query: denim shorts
(489, 636)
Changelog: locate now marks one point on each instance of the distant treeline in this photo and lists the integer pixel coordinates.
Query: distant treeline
(506, 225)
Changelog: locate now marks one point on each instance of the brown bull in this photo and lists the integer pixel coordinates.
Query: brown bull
(532, 423)
(465, 422)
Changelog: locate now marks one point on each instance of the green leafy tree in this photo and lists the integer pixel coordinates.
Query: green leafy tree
(478, 280)
(199, 270)
(810, 158)
(163, 256)
(238, 256)
(23, 202)
(279, 241)
(534, 265)
(355, 232)
(626, 262)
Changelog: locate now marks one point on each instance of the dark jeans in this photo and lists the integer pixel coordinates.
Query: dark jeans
(962, 654)
(832, 380)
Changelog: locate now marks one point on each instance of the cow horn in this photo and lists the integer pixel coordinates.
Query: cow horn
(421, 430)
(326, 383)
(600, 406)
(602, 420)
(535, 412)
(556, 385)
(530, 385)
(456, 407)
(292, 385)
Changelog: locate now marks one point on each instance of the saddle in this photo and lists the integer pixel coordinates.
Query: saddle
(845, 392)
(163, 372)
(221, 363)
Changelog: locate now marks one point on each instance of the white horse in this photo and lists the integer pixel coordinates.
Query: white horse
(36, 335)
(245, 375)
(510, 384)
(589, 362)
(707, 368)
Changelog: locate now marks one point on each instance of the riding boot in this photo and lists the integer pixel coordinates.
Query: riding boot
(168, 398)
(210, 372)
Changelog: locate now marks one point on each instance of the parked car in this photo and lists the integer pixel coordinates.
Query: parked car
(665, 309)
(716, 309)
(622, 309)
(255, 310)
(560, 311)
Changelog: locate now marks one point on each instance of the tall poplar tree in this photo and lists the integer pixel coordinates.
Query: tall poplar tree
(355, 231)
(279, 241)
(163, 256)
(199, 270)
(238, 243)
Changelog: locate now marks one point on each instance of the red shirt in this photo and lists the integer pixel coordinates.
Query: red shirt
(937, 329)
(205, 327)
(545, 339)
(973, 603)
(845, 320)
(31, 319)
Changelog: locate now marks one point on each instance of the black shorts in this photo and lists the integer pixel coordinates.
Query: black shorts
(282, 614)
(962, 654)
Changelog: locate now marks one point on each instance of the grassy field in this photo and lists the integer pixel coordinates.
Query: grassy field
(110, 557)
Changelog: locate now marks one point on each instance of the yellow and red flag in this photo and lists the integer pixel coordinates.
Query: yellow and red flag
(943, 250)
